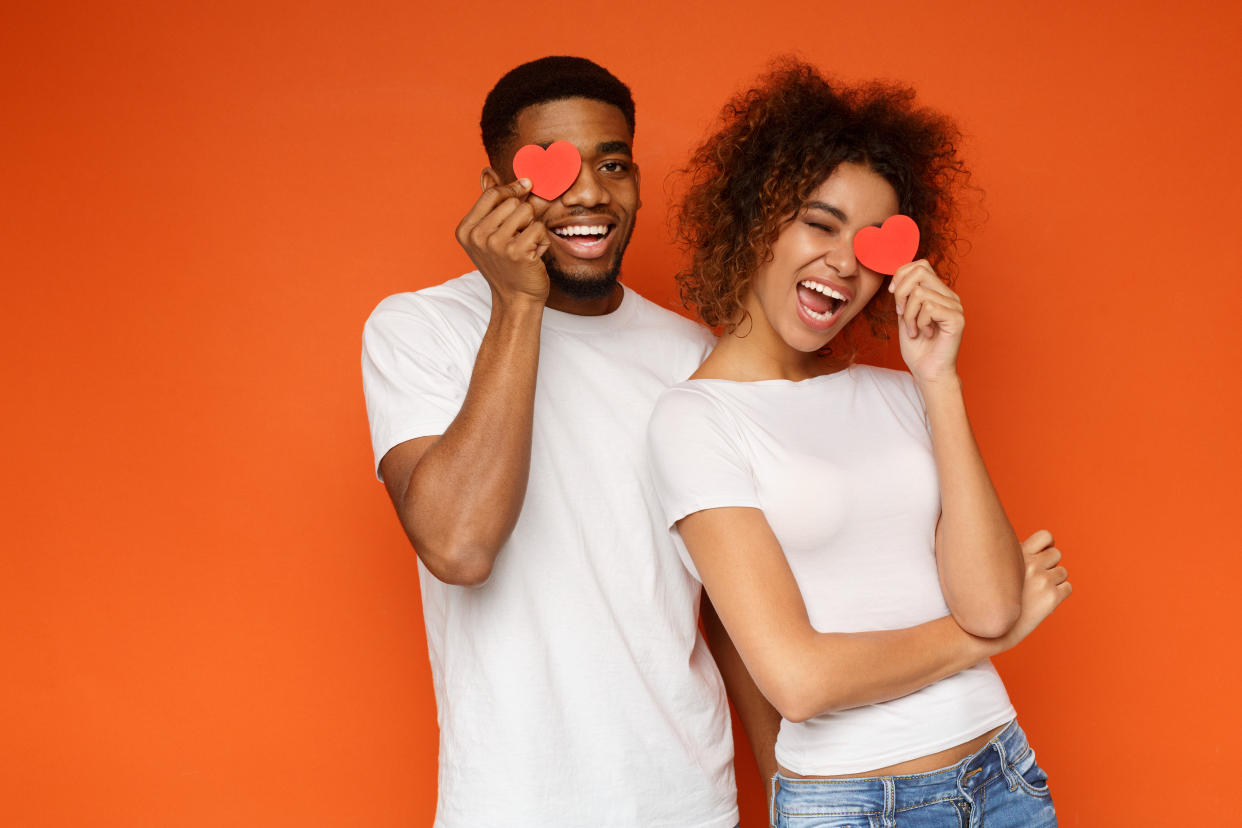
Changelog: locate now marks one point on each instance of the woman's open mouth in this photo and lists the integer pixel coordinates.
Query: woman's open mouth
(583, 241)
(820, 304)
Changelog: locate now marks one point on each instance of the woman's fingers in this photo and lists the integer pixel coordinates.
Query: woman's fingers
(1040, 539)
(918, 280)
(925, 311)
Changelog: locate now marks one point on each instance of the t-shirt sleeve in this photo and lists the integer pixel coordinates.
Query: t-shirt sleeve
(412, 373)
(696, 456)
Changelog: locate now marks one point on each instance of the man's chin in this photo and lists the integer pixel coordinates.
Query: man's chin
(589, 283)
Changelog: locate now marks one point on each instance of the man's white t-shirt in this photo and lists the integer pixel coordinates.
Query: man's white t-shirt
(841, 466)
(573, 687)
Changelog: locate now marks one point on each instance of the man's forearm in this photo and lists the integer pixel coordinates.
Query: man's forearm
(759, 718)
(464, 495)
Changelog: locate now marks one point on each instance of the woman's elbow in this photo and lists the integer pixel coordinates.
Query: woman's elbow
(992, 621)
(797, 700)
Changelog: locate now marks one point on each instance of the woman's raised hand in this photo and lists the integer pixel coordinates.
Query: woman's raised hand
(929, 320)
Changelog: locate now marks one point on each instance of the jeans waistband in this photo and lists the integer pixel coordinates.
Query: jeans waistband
(881, 794)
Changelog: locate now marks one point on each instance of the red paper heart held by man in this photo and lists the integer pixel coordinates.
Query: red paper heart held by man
(885, 248)
(551, 171)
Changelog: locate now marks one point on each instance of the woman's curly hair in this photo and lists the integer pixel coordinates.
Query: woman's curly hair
(776, 145)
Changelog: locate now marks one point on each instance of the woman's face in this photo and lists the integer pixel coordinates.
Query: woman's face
(813, 286)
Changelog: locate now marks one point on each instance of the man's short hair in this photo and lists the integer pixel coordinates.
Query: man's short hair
(543, 80)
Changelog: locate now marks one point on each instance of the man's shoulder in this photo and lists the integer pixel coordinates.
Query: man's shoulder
(671, 323)
(467, 294)
(460, 306)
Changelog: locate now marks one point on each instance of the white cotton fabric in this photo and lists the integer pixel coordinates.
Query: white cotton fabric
(573, 688)
(842, 467)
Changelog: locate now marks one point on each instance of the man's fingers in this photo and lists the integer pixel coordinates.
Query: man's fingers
(489, 225)
(531, 243)
(517, 221)
(1065, 589)
(488, 200)
(1059, 574)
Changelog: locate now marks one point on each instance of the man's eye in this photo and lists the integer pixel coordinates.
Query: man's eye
(613, 167)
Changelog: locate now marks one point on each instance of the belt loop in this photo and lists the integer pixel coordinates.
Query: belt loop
(1011, 776)
(772, 783)
(890, 801)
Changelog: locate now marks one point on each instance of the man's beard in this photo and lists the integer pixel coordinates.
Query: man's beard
(594, 286)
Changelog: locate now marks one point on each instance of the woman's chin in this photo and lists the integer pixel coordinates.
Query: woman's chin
(805, 341)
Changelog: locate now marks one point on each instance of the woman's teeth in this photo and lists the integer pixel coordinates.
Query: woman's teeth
(824, 289)
(821, 317)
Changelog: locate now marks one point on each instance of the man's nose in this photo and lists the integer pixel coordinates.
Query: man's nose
(586, 191)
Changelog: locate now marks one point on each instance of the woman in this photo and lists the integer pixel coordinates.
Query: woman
(839, 515)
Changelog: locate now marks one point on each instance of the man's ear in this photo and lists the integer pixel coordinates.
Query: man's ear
(488, 178)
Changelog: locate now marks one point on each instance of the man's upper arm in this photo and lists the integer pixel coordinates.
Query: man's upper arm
(415, 373)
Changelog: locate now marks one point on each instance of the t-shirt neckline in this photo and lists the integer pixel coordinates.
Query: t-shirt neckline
(577, 323)
(819, 379)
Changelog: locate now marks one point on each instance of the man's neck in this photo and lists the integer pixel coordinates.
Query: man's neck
(597, 306)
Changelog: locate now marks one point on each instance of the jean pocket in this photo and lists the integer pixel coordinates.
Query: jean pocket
(785, 820)
(1031, 777)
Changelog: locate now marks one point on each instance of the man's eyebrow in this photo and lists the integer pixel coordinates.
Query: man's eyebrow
(827, 208)
(610, 147)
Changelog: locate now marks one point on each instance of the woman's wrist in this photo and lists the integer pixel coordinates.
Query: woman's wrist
(946, 387)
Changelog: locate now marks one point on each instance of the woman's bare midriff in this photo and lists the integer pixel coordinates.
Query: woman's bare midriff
(923, 764)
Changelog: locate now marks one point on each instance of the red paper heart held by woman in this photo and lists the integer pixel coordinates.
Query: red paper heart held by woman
(551, 171)
(885, 248)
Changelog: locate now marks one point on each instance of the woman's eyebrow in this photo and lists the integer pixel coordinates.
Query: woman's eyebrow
(828, 208)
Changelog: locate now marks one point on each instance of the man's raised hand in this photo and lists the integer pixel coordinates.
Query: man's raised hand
(504, 238)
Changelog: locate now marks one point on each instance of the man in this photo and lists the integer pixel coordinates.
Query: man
(508, 412)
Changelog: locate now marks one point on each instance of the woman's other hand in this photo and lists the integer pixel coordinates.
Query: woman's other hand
(1046, 585)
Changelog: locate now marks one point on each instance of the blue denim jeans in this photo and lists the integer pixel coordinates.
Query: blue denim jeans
(999, 786)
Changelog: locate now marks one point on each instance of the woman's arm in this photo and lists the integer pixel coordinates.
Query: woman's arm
(803, 672)
(977, 552)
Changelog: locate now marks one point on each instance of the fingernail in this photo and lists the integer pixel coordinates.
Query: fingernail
(525, 182)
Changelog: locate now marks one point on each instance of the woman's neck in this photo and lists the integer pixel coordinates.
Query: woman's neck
(747, 355)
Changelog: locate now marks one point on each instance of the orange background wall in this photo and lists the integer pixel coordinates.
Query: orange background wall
(208, 613)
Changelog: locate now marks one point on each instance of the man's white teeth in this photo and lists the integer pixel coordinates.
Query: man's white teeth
(824, 289)
(588, 230)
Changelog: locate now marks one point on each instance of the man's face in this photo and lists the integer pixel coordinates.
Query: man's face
(591, 222)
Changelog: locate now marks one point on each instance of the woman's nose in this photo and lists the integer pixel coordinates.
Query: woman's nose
(840, 257)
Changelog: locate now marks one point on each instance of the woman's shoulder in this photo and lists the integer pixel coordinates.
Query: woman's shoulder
(687, 399)
(894, 389)
(885, 379)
